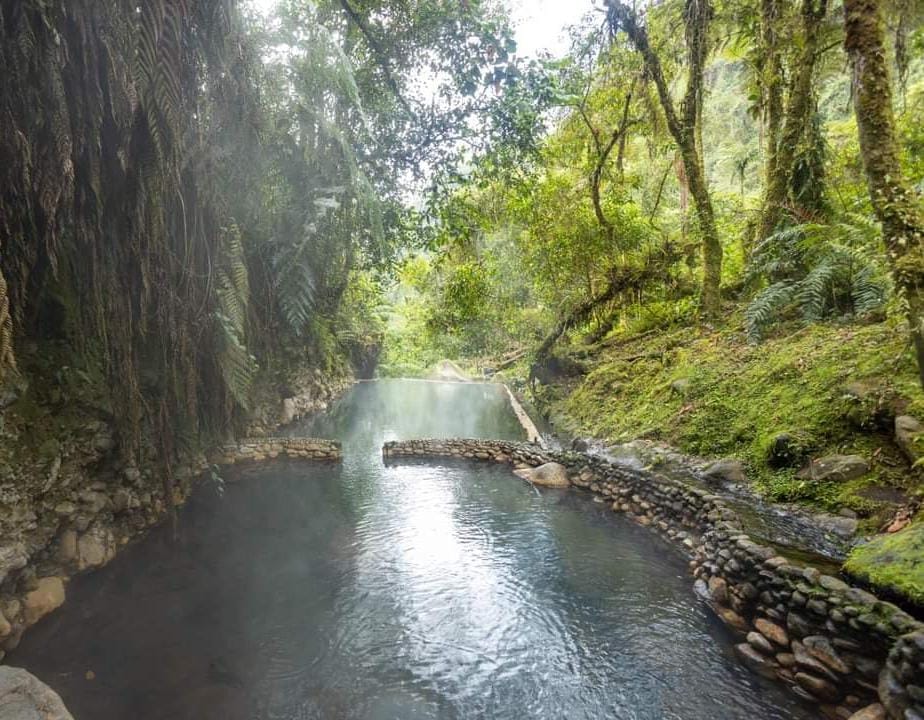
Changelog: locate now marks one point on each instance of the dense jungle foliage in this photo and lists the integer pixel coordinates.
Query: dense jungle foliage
(197, 199)
(605, 228)
(716, 245)
(700, 225)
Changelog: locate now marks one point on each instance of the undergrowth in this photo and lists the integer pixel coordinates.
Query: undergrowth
(711, 393)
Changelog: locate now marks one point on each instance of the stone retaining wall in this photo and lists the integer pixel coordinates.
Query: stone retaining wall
(93, 531)
(255, 449)
(841, 647)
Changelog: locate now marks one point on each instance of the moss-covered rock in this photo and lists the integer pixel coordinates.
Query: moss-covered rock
(893, 562)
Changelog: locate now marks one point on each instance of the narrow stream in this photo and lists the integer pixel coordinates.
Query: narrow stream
(299, 591)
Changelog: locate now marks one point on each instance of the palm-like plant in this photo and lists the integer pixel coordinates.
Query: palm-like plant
(820, 270)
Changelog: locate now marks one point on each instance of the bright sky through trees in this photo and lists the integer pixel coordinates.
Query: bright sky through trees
(540, 24)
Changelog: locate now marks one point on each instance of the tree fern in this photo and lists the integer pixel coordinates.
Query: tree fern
(821, 270)
(765, 308)
(237, 366)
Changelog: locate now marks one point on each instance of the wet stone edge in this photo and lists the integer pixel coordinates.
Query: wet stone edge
(852, 654)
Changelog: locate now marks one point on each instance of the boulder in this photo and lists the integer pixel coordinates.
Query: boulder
(733, 619)
(549, 475)
(870, 406)
(772, 632)
(47, 596)
(760, 643)
(95, 547)
(835, 467)
(908, 432)
(727, 470)
(5, 628)
(24, 697)
(758, 663)
(718, 590)
(809, 663)
(819, 687)
(788, 449)
(870, 712)
(840, 525)
(67, 547)
(288, 412)
(821, 647)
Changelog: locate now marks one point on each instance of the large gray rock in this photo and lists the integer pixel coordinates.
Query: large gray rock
(727, 470)
(908, 433)
(549, 475)
(95, 547)
(24, 697)
(835, 467)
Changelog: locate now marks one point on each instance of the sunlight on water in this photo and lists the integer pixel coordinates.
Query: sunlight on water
(374, 592)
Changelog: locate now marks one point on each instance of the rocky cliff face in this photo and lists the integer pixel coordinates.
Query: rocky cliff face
(70, 497)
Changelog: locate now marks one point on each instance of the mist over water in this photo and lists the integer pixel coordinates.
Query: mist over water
(395, 593)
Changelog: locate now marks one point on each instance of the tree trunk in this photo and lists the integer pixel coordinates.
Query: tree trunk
(895, 204)
(622, 280)
(771, 81)
(683, 125)
(603, 154)
(798, 110)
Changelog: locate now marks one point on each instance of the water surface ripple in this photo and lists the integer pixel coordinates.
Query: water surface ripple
(415, 591)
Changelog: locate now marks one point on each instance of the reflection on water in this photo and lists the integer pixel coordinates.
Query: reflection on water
(416, 591)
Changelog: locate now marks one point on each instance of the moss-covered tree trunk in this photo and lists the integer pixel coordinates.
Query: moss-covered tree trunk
(796, 119)
(895, 204)
(683, 125)
(771, 81)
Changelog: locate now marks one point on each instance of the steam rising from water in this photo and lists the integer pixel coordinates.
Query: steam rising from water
(366, 592)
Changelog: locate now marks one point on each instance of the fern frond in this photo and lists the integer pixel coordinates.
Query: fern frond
(238, 367)
(812, 293)
(764, 308)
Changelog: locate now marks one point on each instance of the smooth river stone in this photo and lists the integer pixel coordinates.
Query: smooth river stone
(25, 697)
(772, 632)
(808, 662)
(47, 596)
(760, 664)
(820, 688)
(821, 648)
(733, 619)
(549, 475)
(870, 712)
(760, 643)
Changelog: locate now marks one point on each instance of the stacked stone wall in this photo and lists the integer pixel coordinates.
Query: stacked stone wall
(841, 647)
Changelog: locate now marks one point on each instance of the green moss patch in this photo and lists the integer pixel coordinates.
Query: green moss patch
(893, 562)
(734, 398)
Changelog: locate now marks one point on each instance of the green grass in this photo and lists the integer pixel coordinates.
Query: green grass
(740, 396)
(893, 562)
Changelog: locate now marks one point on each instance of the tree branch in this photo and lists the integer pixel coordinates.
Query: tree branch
(381, 57)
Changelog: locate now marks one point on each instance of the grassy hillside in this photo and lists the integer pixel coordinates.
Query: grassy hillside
(710, 393)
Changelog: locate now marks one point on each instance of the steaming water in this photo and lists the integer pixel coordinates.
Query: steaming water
(405, 592)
